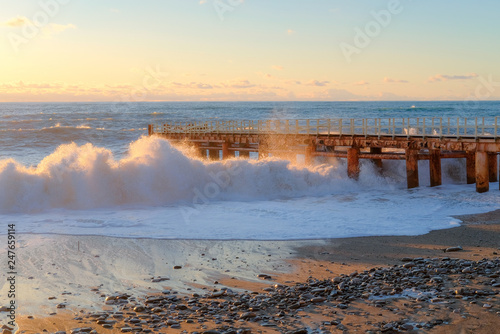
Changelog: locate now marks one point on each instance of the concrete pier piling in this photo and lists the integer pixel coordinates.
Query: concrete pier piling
(377, 150)
(482, 172)
(435, 168)
(225, 151)
(244, 154)
(203, 152)
(308, 154)
(412, 168)
(213, 154)
(353, 163)
(493, 167)
(471, 167)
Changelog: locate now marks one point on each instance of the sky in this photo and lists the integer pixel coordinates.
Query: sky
(249, 50)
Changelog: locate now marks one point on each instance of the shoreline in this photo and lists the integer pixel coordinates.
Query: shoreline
(80, 279)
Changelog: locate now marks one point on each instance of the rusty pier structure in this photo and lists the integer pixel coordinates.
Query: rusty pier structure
(411, 139)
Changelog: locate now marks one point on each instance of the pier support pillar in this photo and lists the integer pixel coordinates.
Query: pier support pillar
(150, 129)
(244, 154)
(376, 150)
(308, 155)
(263, 154)
(353, 163)
(471, 167)
(197, 148)
(225, 151)
(412, 168)
(435, 167)
(493, 166)
(213, 154)
(482, 172)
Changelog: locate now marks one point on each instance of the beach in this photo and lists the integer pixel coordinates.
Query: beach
(236, 167)
(65, 277)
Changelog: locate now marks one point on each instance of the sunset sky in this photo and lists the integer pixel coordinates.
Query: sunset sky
(192, 50)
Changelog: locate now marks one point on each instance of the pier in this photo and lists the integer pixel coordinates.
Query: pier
(411, 139)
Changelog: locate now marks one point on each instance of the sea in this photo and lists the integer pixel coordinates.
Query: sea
(91, 169)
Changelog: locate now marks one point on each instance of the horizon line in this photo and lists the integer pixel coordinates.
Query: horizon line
(246, 101)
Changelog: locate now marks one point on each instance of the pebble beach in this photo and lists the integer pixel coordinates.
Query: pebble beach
(446, 281)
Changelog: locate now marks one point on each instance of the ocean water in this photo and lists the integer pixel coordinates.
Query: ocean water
(89, 168)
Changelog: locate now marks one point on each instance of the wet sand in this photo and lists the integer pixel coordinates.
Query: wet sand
(78, 272)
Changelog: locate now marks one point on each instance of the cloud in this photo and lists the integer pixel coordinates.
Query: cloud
(444, 77)
(17, 21)
(317, 83)
(361, 83)
(240, 84)
(31, 86)
(264, 75)
(345, 95)
(235, 84)
(47, 30)
(190, 91)
(192, 85)
(389, 80)
(293, 82)
(204, 86)
(290, 32)
(54, 28)
(202, 2)
(342, 95)
(278, 68)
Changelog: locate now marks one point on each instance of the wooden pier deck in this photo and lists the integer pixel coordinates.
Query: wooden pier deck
(411, 139)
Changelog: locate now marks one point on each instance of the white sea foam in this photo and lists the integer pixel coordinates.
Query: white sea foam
(156, 173)
(59, 126)
(351, 214)
(158, 190)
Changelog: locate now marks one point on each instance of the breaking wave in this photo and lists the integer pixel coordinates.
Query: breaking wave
(156, 173)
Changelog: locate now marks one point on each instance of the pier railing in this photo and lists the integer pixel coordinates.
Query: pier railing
(481, 127)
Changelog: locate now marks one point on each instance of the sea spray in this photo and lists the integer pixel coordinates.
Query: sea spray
(156, 173)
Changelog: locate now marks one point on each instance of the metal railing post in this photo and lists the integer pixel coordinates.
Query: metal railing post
(496, 127)
(393, 128)
(408, 130)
